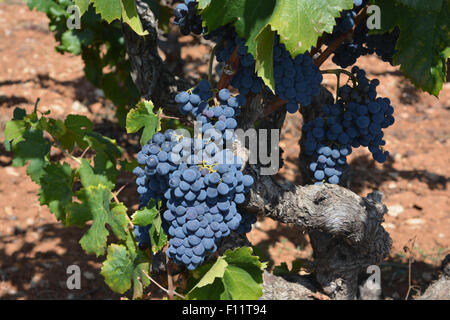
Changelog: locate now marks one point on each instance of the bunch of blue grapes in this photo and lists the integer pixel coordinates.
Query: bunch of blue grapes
(199, 180)
(187, 18)
(296, 80)
(383, 44)
(357, 119)
(221, 117)
(362, 43)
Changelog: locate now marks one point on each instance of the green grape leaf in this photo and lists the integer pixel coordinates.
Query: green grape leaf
(35, 168)
(97, 200)
(423, 46)
(157, 235)
(76, 128)
(77, 214)
(142, 116)
(131, 17)
(19, 113)
(237, 275)
(53, 126)
(125, 266)
(146, 215)
(301, 22)
(105, 167)
(90, 178)
(70, 42)
(34, 148)
(56, 198)
(264, 57)
(151, 215)
(109, 9)
(83, 5)
(14, 131)
(103, 145)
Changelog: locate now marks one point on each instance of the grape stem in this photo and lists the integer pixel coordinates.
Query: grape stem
(162, 288)
(225, 79)
(336, 43)
(211, 63)
(338, 73)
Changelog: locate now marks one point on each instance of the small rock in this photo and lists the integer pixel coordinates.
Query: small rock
(427, 276)
(47, 265)
(389, 225)
(89, 275)
(392, 185)
(395, 210)
(8, 211)
(57, 109)
(414, 222)
(70, 296)
(79, 107)
(99, 93)
(12, 292)
(12, 172)
(12, 218)
(30, 222)
(396, 295)
(34, 282)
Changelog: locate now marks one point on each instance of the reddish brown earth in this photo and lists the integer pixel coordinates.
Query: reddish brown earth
(35, 250)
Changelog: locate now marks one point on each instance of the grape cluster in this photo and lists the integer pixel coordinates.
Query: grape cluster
(199, 180)
(296, 80)
(357, 119)
(361, 43)
(383, 44)
(221, 117)
(187, 18)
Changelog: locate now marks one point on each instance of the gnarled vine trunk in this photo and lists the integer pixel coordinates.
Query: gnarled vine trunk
(345, 229)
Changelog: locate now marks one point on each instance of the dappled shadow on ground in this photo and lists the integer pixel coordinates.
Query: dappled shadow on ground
(35, 260)
(82, 88)
(396, 272)
(282, 234)
(369, 175)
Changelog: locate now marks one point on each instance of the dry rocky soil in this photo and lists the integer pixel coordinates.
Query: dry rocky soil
(35, 250)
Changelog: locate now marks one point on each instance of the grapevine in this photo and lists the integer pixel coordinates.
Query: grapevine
(199, 193)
